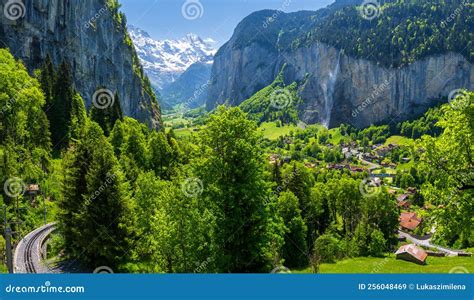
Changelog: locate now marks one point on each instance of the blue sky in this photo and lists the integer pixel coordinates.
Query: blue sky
(216, 19)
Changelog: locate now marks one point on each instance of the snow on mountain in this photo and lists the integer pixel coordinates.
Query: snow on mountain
(165, 60)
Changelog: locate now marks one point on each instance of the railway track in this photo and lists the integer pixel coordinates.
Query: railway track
(29, 252)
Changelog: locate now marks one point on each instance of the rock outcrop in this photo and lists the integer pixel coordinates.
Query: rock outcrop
(91, 36)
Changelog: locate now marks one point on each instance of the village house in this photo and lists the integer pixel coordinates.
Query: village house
(336, 167)
(403, 197)
(409, 221)
(412, 253)
(355, 169)
(385, 150)
(274, 158)
(32, 190)
(392, 191)
(376, 181)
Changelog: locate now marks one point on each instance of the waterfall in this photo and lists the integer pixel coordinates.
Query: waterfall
(329, 92)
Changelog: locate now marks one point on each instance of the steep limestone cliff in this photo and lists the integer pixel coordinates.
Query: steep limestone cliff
(335, 87)
(340, 89)
(91, 36)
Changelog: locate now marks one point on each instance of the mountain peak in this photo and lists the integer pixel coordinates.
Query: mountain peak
(165, 60)
(192, 37)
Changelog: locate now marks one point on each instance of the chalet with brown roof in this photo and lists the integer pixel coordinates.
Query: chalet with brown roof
(336, 167)
(409, 221)
(357, 169)
(403, 197)
(412, 253)
(32, 189)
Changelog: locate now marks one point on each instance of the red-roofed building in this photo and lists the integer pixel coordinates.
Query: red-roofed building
(409, 220)
(412, 253)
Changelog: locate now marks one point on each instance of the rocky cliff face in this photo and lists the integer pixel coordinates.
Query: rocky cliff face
(335, 87)
(90, 36)
(339, 89)
(190, 89)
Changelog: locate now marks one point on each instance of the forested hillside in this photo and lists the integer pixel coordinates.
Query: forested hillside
(225, 199)
(401, 31)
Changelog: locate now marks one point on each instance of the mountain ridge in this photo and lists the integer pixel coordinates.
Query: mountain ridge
(165, 60)
(310, 62)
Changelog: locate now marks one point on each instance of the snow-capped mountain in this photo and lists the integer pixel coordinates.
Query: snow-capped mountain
(165, 60)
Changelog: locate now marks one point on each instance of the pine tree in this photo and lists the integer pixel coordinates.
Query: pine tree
(78, 117)
(47, 79)
(60, 116)
(108, 116)
(160, 154)
(96, 208)
(116, 111)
